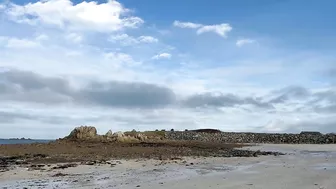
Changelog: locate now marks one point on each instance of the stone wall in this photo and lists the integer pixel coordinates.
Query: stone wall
(230, 137)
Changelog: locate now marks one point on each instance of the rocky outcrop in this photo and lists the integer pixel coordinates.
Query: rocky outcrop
(141, 137)
(118, 134)
(89, 133)
(231, 137)
(83, 133)
(121, 137)
(109, 134)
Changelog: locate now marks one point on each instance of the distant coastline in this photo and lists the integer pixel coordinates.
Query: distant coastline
(23, 141)
(18, 139)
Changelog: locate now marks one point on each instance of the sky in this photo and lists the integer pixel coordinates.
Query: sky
(245, 66)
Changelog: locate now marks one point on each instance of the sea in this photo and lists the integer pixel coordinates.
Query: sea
(23, 141)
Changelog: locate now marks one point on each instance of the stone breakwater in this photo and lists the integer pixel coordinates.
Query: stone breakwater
(274, 138)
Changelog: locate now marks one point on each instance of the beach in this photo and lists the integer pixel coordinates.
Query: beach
(303, 166)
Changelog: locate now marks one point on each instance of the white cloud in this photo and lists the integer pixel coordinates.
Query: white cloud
(162, 56)
(16, 43)
(73, 53)
(186, 25)
(42, 37)
(242, 42)
(2, 7)
(121, 37)
(127, 40)
(274, 126)
(88, 16)
(3, 40)
(220, 29)
(120, 59)
(74, 37)
(148, 39)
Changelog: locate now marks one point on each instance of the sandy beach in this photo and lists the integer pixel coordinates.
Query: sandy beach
(305, 166)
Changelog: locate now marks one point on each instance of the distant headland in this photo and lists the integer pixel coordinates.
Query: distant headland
(18, 139)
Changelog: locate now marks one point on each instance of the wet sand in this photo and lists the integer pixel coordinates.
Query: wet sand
(305, 166)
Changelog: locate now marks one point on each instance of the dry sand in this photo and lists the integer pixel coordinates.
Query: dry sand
(305, 167)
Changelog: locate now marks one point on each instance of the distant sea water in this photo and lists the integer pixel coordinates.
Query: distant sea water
(23, 141)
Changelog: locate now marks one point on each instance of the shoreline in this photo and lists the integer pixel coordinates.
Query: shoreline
(305, 166)
(69, 151)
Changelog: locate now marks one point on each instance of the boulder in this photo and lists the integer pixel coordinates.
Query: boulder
(121, 137)
(118, 134)
(83, 133)
(109, 134)
(141, 137)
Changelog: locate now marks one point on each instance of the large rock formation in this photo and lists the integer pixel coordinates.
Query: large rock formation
(89, 133)
(83, 133)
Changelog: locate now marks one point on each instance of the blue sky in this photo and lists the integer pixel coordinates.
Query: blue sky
(264, 66)
(287, 21)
